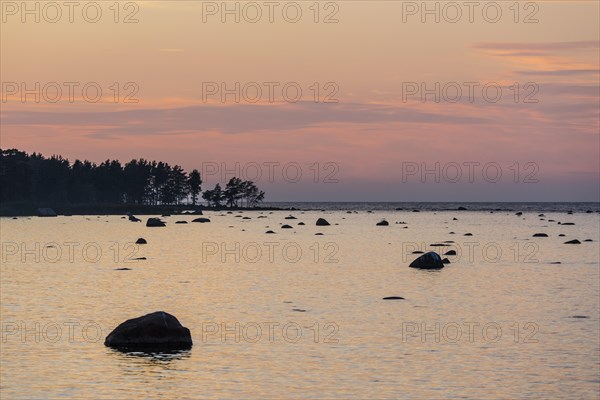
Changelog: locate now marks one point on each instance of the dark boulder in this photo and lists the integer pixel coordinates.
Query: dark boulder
(446, 261)
(156, 331)
(201, 220)
(290, 217)
(269, 232)
(181, 222)
(133, 218)
(322, 222)
(393, 298)
(300, 223)
(540, 235)
(286, 227)
(468, 234)
(382, 223)
(153, 222)
(519, 213)
(574, 241)
(429, 260)
(450, 253)
(141, 241)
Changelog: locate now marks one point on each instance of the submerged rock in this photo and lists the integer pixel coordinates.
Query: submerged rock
(141, 241)
(430, 260)
(540, 235)
(181, 222)
(201, 220)
(286, 227)
(290, 217)
(382, 223)
(154, 222)
(574, 241)
(450, 253)
(158, 330)
(269, 232)
(446, 261)
(393, 298)
(322, 222)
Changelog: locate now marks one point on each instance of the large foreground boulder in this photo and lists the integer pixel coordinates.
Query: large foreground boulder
(156, 331)
(154, 222)
(430, 260)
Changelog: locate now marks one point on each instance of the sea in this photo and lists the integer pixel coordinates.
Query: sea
(308, 312)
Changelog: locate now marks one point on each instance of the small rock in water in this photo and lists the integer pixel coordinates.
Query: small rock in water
(446, 261)
(269, 232)
(417, 252)
(461, 209)
(429, 260)
(318, 234)
(156, 331)
(579, 316)
(540, 235)
(574, 241)
(298, 310)
(290, 217)
(451, 233)
(181, 222)
(393, 298)
(141, 241)
(286, 227)
(201, 220)
(301, 223)
(556, 262)
(438, 245)
(154, 222)
(450, 253)
(568, 223)
(588, 240)
(468, 234)
(322, 222)
(382, 223)
(122, 269)
(519, 213)
(139, 258)
(561, 234)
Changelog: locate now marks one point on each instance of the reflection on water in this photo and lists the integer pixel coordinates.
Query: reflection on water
(160, 357)
(294, 315)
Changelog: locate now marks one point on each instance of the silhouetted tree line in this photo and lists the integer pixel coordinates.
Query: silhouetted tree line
(54, 180)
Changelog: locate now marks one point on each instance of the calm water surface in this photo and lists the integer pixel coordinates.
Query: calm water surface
(294, 315)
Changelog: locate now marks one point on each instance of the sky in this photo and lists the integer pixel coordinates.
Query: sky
(317, 101)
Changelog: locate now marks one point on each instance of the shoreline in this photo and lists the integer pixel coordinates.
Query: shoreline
(31, 209)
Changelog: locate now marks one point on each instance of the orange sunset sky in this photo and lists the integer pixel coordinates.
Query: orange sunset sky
(366, 58)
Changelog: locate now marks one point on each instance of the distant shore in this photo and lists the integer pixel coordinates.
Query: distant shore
(30, 209)
(20, 209)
